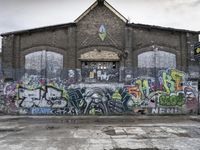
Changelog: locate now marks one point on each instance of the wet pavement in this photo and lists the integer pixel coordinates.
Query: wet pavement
(100, 133)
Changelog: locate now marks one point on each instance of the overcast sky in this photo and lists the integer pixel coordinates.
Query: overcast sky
(26, 14)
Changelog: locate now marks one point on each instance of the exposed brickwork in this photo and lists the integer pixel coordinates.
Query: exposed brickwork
(88, 27)
(72, 40)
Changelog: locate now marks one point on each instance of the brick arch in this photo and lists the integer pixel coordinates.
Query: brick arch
(40, 48)
(160, 48)
(100, 48)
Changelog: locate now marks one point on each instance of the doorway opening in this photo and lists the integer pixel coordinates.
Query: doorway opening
(100, 71)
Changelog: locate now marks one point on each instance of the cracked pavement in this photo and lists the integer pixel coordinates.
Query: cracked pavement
(100, 133)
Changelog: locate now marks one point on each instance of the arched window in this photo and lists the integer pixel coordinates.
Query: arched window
(44, 63)
(157, 59)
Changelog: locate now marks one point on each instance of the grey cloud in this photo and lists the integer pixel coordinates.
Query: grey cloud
(25, 14)
(195, 4)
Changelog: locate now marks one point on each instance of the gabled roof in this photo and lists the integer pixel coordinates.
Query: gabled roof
(101, 2)
(98, 2)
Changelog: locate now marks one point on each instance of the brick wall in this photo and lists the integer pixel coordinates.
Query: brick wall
(73, 40)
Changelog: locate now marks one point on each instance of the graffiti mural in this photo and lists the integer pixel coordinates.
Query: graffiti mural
(1, 96)
(191, 99)
(168, 92)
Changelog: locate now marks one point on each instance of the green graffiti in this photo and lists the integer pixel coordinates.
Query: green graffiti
(143, 87)
(92, 111)
(116, 96)
(177, 75)
(81, 104)
(198, 50)
(168, 83)
(173, 100)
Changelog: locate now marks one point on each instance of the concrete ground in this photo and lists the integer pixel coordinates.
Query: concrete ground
(99, 133)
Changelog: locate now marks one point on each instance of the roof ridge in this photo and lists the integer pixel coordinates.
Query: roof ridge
(104, 3)
(160, 27)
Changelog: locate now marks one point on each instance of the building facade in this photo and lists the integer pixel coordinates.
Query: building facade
(101, 36)
(103, 46)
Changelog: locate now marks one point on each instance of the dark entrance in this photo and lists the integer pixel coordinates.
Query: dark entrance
(100, 71)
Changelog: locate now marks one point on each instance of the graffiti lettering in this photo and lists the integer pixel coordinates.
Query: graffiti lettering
(168, 92)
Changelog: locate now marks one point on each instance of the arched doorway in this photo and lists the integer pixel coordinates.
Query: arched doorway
(100, 65)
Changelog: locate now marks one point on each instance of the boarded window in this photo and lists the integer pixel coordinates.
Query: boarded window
(156, 59)
(44, 63)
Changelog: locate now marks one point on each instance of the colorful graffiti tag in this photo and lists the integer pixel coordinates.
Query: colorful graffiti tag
(168, 92)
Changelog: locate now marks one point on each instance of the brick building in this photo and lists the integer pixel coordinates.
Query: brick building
(101, 38)
(152, 68)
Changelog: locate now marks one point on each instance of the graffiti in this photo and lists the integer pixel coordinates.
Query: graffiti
(168, 92)
(191, 99)
(102, 101)
(71, 77)
(40, 111)
(2, 104)
(95, 101)
(94, 74)
(166, 110)
(198, 50)
(135, 91)
(171, 80)
(144, 86)
(172, 100)
(48, 97)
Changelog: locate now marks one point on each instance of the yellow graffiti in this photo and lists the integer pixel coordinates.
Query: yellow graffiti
(139, 83)
(198, 50)
(177, 75)
(17, 95)
(145, 84)
(65, 94)
(168, 83)
(116, 96)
